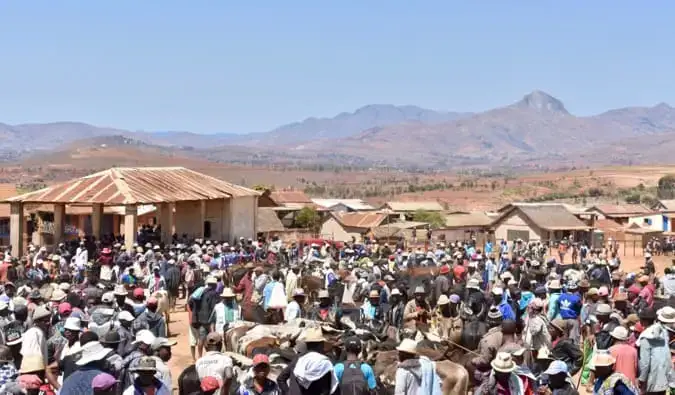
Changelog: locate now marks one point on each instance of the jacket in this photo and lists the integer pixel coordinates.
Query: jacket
(655, 362)
(417, 376)
(567, 351)
(536, 332)
(488, 346)
(151, 321)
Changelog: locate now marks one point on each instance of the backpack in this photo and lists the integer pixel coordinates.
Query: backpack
(353, 381)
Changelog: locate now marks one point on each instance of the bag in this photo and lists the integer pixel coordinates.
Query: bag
(278, 299)
(353, 381)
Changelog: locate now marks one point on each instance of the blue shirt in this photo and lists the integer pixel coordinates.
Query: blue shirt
(569, 305)
(267, 293)
(506, 309)
(80, 381)
(488, 248)
(553, 306)
(367, 373)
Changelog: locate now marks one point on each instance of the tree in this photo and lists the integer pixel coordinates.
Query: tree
(666, 187)
(308, 218)
(433, 218)
(633, 198)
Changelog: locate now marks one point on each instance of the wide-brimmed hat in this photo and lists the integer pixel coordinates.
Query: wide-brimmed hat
(557, 367)
(554, 284)
(620, 333)
(603, 309)
(503, 363)
(145, 364)
(32, 364)
(112, 338)
(559, 324)
(227, 293)
(125, 316)
(420, 290)
(544, 353)
(395, 291)
(120, 290)
(73, 324)
(314, 335)
(40, 313)
(144, 336)
(603, 359)
(163, 342)
(92, 352)
(666, 315)
(408, 346)
(298, 292)
(473, 283)
(323, 294)
(374, 294)
(443, 300)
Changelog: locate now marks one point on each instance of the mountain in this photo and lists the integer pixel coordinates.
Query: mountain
(643, 120)
(350, 123)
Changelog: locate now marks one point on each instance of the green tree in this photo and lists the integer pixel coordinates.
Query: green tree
(633, 198)
(666, 187)
(433, 218)
(308, 218)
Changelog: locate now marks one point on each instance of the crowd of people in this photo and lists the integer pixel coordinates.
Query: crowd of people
(93, 318)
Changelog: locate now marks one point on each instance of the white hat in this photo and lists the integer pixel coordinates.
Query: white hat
(211, 280)
(408, 346)
(108, 297)
(442, 300)
(299, 292)
(125, 316)
(227, 293)
(620, 333)
(91, 352)
(512, 282)
(503, 363)
(323, 294)
(420, 290)
(120, 290)
(163, 342)
(497, 291)
(395, 291)
(73, 324)
(64, 287)
(473, 283)
(603, 359)
(41, 312)
(58, 295)
(666, 315)
(144, 336)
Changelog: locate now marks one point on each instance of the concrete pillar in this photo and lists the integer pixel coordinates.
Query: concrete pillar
(16, 228)
(202, 217)
(59, 222)
(130, 221)
(165, 216)
(96, 220)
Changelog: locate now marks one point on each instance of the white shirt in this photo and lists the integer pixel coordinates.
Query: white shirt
(292, 311)
(34, 343)
(219, 311)
(163, 373)
(213, 363)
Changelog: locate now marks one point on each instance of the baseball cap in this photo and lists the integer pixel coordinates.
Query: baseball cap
(73, 324)
(65, 308)
(209, 384)
(213, 338)
(556, 367)
(145, 336)
(103, 381)
(261, 359)
(138, 292)
(162, 342)
(125, 316)
(152, 301)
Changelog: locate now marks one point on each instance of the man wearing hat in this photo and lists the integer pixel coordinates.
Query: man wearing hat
(607, 381)
(294, 309)
(411, 368)
(558, 379)
(35, 338)
(371, 310)
(554, 290)
(443, 282)
(417, 310)
(200, 313)
(226, 312)
(655, 360)
(152, 320)
(214, 363)
(564, 348)
(313, 343)
(449, 322)
(145, 382)
(161, 349)
(502, 375)
(394, 316)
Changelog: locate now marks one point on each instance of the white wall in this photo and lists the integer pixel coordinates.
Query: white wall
(332, 229)
(655, 219)
(244, 212)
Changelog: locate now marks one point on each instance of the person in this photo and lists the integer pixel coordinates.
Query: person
(201, 305)
(415, 374)
(607, 381)
(270, 289)
(449, 322)
(312, 373)
(557, 380)
(259, 383)
(655, 364)
(325, 311)
(161, 349)
(292, 281)
(500, 300)
(32, 376)
(371, 310)
(214, 363)
(294, 308)
(91, 363)
(313, 342)
(141, 347)
(536, 332)
(489, 344)
(145, 382)
(502, 378)
(417, 309)
(126, 320)
(226, 312)
(626, 356)
(104, 384)
(564, 348)
(394, 316)
(569, 306)
(34, 339)
(151, 320)
(355, 378)
(553, 310)
(8, 371)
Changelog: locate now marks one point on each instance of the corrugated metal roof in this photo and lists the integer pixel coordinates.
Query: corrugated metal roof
(283, 197)
(353, 204)
(668, 204)
(414, 206)
(268, 221)
(549, 217)
(620, 210)
(142, 185)
(361, 220)
(473, 219)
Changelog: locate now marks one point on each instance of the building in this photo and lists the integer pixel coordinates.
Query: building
(343, 205)
(465, 225)
(345, 226)
(619, 212)
(187, 203)
(535, 222)
(394, 231)
(292, 199)
(406, 210)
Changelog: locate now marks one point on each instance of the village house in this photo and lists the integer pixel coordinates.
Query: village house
(347, 226)
(187, 202)
(392, 232)
(619, 212)
(466, 225)
(538, 222)
(343, 205)
(406, 210)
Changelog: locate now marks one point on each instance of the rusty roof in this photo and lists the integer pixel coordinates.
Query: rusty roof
(621, 210)
(7, 190)
(364, 220)
(268, 221)
(139, 185)
(281, 197)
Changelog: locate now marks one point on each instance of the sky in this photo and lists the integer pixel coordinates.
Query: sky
(249, 66)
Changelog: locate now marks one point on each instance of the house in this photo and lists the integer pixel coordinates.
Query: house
(392, 232)
(269, 223)
(538, 222)
(464, 225)
(345, 226)
(343, 205)
(292, 199)
(619, 212)
(406, 210)
(665, 206)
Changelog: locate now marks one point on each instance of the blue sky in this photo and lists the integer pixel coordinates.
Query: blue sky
(243, 66)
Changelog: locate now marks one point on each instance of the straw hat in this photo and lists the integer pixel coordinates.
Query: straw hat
(408, 346)
(419, 290)
(314, 335)
(374, 294)
(544, 353)
(227, 293)
(91, 352)
(395, 291)
(473, 284)
(32, 364)
(146, 364)
(603, 359)
(666, 315)
(443, 300)
(554, 284)
(323, 294)
(620, 333)
(503, 363)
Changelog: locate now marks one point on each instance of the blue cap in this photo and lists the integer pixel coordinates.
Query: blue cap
(556, 367)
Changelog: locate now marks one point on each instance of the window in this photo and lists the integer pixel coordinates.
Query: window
(512, 234)
(207, 229)
(4, 227)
